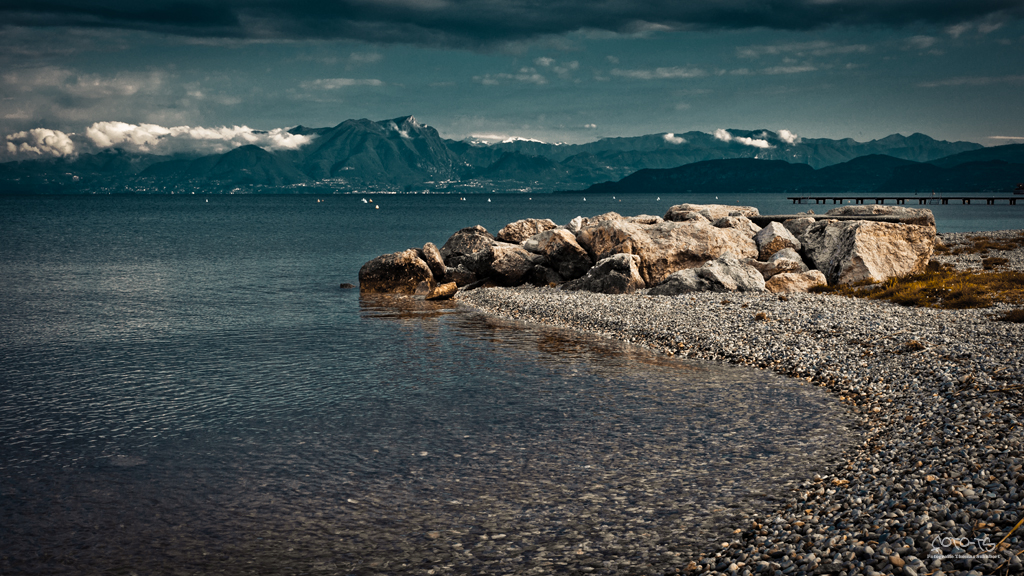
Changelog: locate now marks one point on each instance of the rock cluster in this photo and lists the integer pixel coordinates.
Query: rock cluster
(693, 248)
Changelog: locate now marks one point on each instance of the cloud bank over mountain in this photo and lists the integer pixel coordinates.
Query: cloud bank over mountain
(145, 138)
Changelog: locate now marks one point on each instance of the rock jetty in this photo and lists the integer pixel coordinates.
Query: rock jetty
(692, 248)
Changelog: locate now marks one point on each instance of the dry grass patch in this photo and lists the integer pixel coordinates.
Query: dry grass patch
(983, 244)
(1013, 316)
(942, 287)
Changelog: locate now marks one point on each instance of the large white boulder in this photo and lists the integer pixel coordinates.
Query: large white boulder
(854, 251)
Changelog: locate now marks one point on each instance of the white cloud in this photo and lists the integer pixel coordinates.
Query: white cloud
(156, 139)
(544, 61)
(612, 59)
(525, 75)
(365, 57)
(1006, 137)
(972, 81)
(986, 28)
(335, 83)
(660, 73)
(789, 69)
(818, 48)
(922, 42)
(672, 138)
(725, 136)
(37, 143)
(788, 137)
(957, 29)
(590, 126)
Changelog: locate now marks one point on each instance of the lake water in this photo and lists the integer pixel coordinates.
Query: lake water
(186, 390)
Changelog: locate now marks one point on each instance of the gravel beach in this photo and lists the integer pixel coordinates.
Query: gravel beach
(933, 482)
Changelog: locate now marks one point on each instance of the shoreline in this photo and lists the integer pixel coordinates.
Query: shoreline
(939, 457)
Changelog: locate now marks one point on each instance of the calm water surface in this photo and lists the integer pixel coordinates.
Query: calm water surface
(185, 388)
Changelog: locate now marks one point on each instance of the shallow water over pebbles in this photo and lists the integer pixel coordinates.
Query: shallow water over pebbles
(479, 445)
(185, 389)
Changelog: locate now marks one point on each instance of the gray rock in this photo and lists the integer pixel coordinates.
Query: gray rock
(466, 241)
(432, 256)
(576, 224)
(741, 223)
(918, 216)
(674, 215)
(713, 212)
(778, 265)
(542, 276)
(772, 238)
(508, 264)
(520, 230)
(645, 219)
(400, 272)
(665, 247)
(617, 274)
(856, 251)
(726, 274)
(791, 282)
(562, 251)
(798, 226)
(461, 275)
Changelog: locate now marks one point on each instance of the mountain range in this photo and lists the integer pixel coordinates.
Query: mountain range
(402, 155)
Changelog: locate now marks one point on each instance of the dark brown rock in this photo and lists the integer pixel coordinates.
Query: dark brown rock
(399, 272)
(520, 230)
(432, 256)
(466, 241)
(443, 291)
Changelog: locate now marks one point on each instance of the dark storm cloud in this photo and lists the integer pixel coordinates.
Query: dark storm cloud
(475, 23)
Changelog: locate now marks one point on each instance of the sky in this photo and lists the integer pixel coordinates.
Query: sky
(170, 75)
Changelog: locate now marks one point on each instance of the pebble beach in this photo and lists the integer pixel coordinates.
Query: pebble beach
(933, 483)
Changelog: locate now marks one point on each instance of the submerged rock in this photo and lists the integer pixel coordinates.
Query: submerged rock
(400, 272)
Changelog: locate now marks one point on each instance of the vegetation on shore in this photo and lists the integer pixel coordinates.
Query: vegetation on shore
(942, 286)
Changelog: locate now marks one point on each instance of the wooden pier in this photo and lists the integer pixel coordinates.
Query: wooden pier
(903, 199)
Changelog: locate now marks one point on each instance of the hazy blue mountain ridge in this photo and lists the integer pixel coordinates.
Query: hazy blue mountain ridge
(403, 155)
